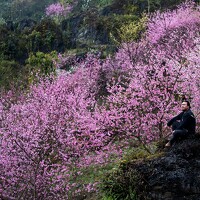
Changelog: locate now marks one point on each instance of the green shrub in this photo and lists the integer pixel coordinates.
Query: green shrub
(111, 24)
(9, 74)
(103, 3)
(124, 182)
(45, 36)
(132, 31)
(40, 64)
(120, 184)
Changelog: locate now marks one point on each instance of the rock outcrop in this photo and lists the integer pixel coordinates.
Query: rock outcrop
(173, 176)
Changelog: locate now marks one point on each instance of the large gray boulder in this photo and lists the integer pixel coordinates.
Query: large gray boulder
(173, 176)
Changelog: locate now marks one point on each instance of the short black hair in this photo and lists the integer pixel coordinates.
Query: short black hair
(188, 103)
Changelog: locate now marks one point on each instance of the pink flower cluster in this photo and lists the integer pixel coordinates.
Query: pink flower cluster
(58, 9)
(161, 23)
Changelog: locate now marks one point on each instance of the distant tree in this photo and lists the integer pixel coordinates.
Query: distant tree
(58, 9)
(17, 10)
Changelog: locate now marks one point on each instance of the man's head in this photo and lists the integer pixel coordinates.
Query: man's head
(185, 105)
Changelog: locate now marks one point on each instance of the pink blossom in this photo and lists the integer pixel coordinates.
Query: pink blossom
(58, 9)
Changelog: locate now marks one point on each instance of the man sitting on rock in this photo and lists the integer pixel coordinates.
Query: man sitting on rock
(183, 124)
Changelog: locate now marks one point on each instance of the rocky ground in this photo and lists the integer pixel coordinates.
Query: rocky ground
(173, 176)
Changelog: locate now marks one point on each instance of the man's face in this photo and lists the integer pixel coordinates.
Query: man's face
(184, 106)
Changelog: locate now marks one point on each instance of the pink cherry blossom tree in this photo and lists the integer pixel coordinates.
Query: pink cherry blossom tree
(51, 132)
(157, 73)
(58, 9)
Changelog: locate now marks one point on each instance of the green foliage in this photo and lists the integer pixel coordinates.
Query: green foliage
(33, 41)
(107, 198)
(135, 154)
(152, 5)
(112, 23)
(103, 3)
(66, 1)
(123, 181)
(116, 21)
(17, 44)
(9, 74)
(17, 10)
(40, 64)
(99, 3)
(8, 44)
(2, 21)
(130, 32)
(120, 184)
(46, 36)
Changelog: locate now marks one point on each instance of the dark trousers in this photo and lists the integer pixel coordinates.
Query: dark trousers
(178, 133)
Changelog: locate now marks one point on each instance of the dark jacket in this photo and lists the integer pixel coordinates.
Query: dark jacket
(187, 121)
